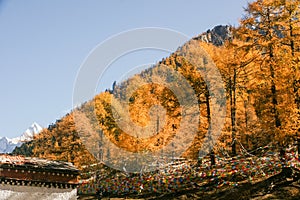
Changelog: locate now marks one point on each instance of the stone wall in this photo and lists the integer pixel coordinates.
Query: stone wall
(9, 192)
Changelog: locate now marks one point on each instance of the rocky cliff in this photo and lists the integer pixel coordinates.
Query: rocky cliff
(217, 36)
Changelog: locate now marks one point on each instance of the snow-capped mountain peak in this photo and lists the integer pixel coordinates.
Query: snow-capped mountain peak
(33, 130)
(7, 145)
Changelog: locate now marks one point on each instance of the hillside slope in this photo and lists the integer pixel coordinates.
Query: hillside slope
(261, 80)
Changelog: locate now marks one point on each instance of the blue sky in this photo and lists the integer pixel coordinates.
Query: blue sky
(43, 44)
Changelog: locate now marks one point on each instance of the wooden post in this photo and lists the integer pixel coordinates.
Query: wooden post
(212, 158)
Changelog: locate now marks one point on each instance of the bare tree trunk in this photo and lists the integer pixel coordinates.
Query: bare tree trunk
(232, 92)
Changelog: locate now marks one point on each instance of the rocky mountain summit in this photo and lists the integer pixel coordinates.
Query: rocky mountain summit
(217, 36)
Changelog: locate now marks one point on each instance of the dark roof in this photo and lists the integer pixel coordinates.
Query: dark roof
(35, 163)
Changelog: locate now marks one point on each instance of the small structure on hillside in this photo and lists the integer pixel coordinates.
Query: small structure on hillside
(26, 171)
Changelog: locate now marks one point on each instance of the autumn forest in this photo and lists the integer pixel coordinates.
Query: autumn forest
(259, 62)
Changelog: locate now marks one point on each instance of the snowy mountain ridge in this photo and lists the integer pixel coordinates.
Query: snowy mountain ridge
(7, 145)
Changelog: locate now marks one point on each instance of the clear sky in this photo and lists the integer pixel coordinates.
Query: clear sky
(43, 44)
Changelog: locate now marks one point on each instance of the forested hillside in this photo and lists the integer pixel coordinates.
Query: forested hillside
(259, 64)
